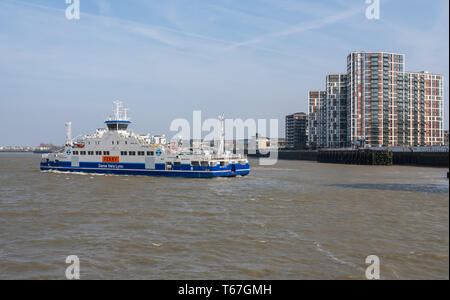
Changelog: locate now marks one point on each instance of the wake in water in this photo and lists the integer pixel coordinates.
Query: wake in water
(334, 258)
(78, 173)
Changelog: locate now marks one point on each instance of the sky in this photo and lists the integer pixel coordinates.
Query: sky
(164, 59)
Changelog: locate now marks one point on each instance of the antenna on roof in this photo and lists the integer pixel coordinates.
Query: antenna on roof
(222, 135)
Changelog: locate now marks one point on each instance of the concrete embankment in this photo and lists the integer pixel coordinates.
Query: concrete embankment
(367, 157)
(429, 159)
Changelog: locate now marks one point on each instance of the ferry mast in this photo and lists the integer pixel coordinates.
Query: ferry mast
(119, 121)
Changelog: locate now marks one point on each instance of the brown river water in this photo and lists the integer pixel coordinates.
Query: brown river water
(294, 220)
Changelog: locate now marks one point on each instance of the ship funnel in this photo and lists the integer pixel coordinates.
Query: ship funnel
(69, 133)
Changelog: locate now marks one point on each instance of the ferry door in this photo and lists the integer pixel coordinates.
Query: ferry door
(150, 163)
(75, 161)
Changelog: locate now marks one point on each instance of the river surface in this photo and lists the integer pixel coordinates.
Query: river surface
(294, 220)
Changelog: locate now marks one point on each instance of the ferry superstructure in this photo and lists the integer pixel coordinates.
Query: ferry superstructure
(117, 150)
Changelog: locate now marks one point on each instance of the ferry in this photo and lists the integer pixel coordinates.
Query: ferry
(119, 151)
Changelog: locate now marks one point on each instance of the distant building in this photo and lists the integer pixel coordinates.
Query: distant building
(316, 119)
(446, 138)
(297, 131)
(262, 143)
(281, 143)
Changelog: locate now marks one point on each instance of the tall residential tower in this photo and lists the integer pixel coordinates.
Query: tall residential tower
(388, 106)
(336, 111)
(317, 119)
(378, 103)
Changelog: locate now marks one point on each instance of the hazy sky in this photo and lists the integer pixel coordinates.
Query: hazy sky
(164, 59)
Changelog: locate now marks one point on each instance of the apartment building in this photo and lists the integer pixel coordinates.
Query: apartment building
(297, 131)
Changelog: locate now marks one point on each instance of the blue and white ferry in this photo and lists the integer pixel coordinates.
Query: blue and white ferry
(117, 150)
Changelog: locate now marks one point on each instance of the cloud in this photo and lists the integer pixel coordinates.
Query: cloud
(300, 28)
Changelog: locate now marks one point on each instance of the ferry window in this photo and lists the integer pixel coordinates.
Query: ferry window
(98, 152)
(132, 153)
(204, 163)
(90, 152)
(222, 163)
(242, 163)
(126, 142)
(150, 153)
(75, 152)
(124, 153)
(195, 163)
(177, 164)
(168, 163)
(105, 152)
(113, 142)
(141, 153)
(213, 164)
(117, 142)
(83, 153)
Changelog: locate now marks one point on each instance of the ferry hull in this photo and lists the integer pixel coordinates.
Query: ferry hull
(136, 171)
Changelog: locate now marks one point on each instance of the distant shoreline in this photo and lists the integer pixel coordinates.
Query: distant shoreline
(31, 152)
